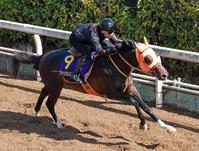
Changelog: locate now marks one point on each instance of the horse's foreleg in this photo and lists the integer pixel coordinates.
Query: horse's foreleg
(143, 124)
(146, 108)
(43, 94)
(130, 93)
(53, 97)
(135, 97)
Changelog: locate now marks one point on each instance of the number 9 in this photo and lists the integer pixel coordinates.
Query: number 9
(68, 60)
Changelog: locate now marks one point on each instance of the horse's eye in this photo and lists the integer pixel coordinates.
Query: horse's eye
(148, 59)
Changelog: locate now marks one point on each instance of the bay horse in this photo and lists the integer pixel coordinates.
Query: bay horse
(110, 77)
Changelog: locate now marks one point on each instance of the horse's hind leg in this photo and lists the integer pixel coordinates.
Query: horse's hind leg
(52, 99)
(54, 84)
(43, 94)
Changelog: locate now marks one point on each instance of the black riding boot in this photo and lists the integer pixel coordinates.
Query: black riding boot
(75, 75)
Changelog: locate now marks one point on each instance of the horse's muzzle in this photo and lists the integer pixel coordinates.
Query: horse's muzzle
(164, 77)
(160, 72)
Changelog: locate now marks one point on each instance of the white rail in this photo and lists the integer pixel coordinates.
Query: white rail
(168, 82)
(32, 29)
(11, 51)
(176, 54)
(39, 51)
(62, 34)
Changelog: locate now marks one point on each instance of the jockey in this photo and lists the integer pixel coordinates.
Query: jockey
(88, 39)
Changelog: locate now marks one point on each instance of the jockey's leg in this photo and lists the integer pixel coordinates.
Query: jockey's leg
(82, 48)
(75, 75)
(82, 59)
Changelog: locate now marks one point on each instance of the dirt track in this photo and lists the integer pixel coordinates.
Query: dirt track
(91, 124)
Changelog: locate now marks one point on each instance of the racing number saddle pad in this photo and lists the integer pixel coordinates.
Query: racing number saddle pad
(69, 63)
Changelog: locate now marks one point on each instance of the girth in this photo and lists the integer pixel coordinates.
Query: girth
(89, 89)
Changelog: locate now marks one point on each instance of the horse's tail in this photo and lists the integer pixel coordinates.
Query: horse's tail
(28, 58)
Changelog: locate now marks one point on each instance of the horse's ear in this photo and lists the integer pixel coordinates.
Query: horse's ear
(146, 41)
(137, 46)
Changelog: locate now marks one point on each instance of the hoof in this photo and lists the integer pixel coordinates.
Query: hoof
(59, 124)
(106, 99)
(144, 127)
(36, 114)
(171, 129)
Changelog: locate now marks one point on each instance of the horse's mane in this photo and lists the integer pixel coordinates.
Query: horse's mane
(127, 49)
(125, 46)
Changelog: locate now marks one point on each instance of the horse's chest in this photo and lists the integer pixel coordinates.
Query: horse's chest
(108, 71)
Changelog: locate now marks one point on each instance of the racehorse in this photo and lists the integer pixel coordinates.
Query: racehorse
(110, 77)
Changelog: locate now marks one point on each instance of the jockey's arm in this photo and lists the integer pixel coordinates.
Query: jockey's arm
(96, 43)
(113, 39)
(105, 50)
(126, 44)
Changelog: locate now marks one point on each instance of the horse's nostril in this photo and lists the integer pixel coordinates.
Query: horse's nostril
(164, 76)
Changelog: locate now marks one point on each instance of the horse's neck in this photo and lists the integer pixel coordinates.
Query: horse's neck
(121, 64)
(124, 62)
(131, 58)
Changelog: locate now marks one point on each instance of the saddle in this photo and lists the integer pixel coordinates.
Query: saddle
(68, 64)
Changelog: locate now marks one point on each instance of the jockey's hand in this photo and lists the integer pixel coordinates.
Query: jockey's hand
(94, 55)
(109, 50)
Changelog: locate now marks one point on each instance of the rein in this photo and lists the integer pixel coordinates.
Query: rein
(124, 60)
(117, 67)
(120, 71)
(88, 88)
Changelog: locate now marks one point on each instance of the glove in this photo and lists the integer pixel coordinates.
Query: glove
(94, 55)
(109, 50)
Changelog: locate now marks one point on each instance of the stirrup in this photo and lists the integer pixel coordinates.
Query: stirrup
(76, 78)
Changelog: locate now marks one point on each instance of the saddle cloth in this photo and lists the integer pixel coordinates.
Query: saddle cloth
(69, 63)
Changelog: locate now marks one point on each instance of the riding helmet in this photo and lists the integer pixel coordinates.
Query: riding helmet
(107, 25)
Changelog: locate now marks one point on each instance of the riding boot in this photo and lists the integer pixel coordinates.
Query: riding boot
(75, 75)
